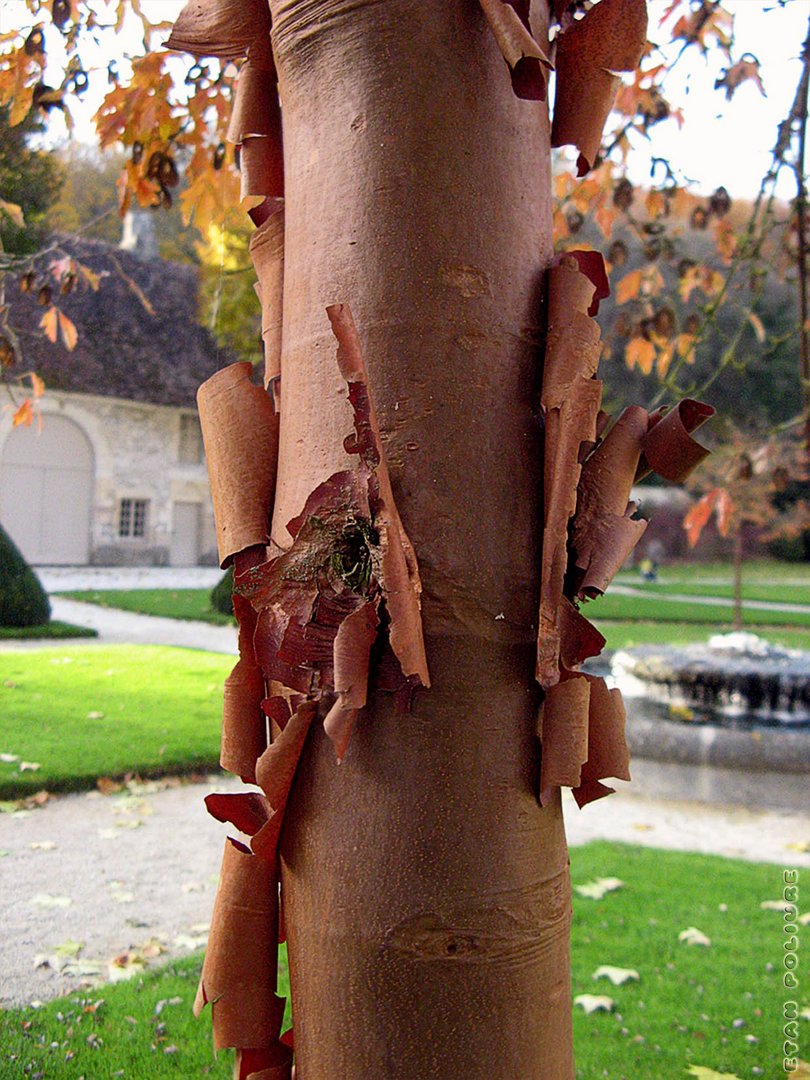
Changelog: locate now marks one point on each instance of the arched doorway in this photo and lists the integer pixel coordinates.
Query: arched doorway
(46, 491)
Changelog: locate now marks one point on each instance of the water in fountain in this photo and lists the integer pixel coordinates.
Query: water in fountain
(735, 679)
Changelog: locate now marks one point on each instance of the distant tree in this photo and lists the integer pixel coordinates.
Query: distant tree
(29, 179)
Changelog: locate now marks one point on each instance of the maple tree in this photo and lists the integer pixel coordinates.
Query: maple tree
(425, 890)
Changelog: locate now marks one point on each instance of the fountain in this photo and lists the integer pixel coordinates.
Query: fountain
(736, 679)
(727, 720)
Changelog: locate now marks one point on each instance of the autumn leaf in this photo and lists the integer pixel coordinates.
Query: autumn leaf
(37, 385)
(595, 890)
(759, 329)
(640, 351)
(685, 347)
(618, 976)
(723, 511)
(745, 69)
(49, 323)
(629, 287)
(692, 936)
(68, 331)
(47, 900)
(698, 515)
(703, 1073)
(14, 212)
(594, 1003)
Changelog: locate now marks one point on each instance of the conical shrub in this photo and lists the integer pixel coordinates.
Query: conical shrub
(222, 593)
(23, 601)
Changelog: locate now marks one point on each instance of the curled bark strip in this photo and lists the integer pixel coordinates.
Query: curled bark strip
(247, 811)
(570, 400)
(579, 638)
(239, 972)
(243, 725)
(610, 38)
(400, 581)
(352, 655)
(668, 447)
(222, 28)
(582, 736)
(527, 60)
(264, 1065)
(240, 431)
(604, 532)
(564, 734)
(255, 127)
(267, 251)
(608, 754)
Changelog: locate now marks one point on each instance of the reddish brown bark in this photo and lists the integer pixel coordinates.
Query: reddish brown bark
(425, 890)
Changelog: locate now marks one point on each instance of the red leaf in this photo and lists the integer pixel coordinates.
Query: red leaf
(698, 515)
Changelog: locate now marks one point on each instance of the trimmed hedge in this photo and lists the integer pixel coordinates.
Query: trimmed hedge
(222, 593)
(23, 601)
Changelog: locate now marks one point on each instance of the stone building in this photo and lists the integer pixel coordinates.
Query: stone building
(116, 475)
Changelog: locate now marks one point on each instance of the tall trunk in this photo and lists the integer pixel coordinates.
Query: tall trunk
(425, 891)
(738, 561)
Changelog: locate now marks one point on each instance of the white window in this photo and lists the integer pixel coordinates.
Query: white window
(132, 518)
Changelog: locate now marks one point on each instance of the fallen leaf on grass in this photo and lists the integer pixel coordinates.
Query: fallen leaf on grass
(46, 900)
(161, 1005)
(692, 936)
(42, 845)
(618, 976)
(95, 715)
(773, 905)
(804, 919)
(9, 758)
(710, 1074)
(29, 766)
(705, 1074)
(594, 1003)
(595, 890)
(805, 1013)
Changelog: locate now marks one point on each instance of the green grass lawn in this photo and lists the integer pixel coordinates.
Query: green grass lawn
(718, 1006)
(626, 634)
(170, 603)
(53, 629)
(653, 609)
(88, 711)
(788, 594)
(759, 571)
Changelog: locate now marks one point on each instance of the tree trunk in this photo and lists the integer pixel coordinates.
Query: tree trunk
(738, 561)
(425, 892)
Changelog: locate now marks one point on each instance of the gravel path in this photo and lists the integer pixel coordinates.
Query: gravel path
(134, 873)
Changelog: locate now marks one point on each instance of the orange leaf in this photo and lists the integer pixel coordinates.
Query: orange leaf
(665, 358)
(24, 415)
(629, 287)
(685, 344)
(604, 218)
(49, 323)
(759, 329)
(69, 334)
(724, 510)
(698, 515)
(642, 352)
(37, 385)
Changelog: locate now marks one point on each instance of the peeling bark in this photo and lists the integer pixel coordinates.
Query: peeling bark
(416, 833)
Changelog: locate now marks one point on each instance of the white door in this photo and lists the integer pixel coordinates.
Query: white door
(46, 492)
(185, 534)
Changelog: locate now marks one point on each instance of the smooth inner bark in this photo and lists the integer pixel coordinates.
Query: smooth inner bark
(425, 892)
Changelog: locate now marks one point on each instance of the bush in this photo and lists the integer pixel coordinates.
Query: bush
(23, 601)
(222, 593)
